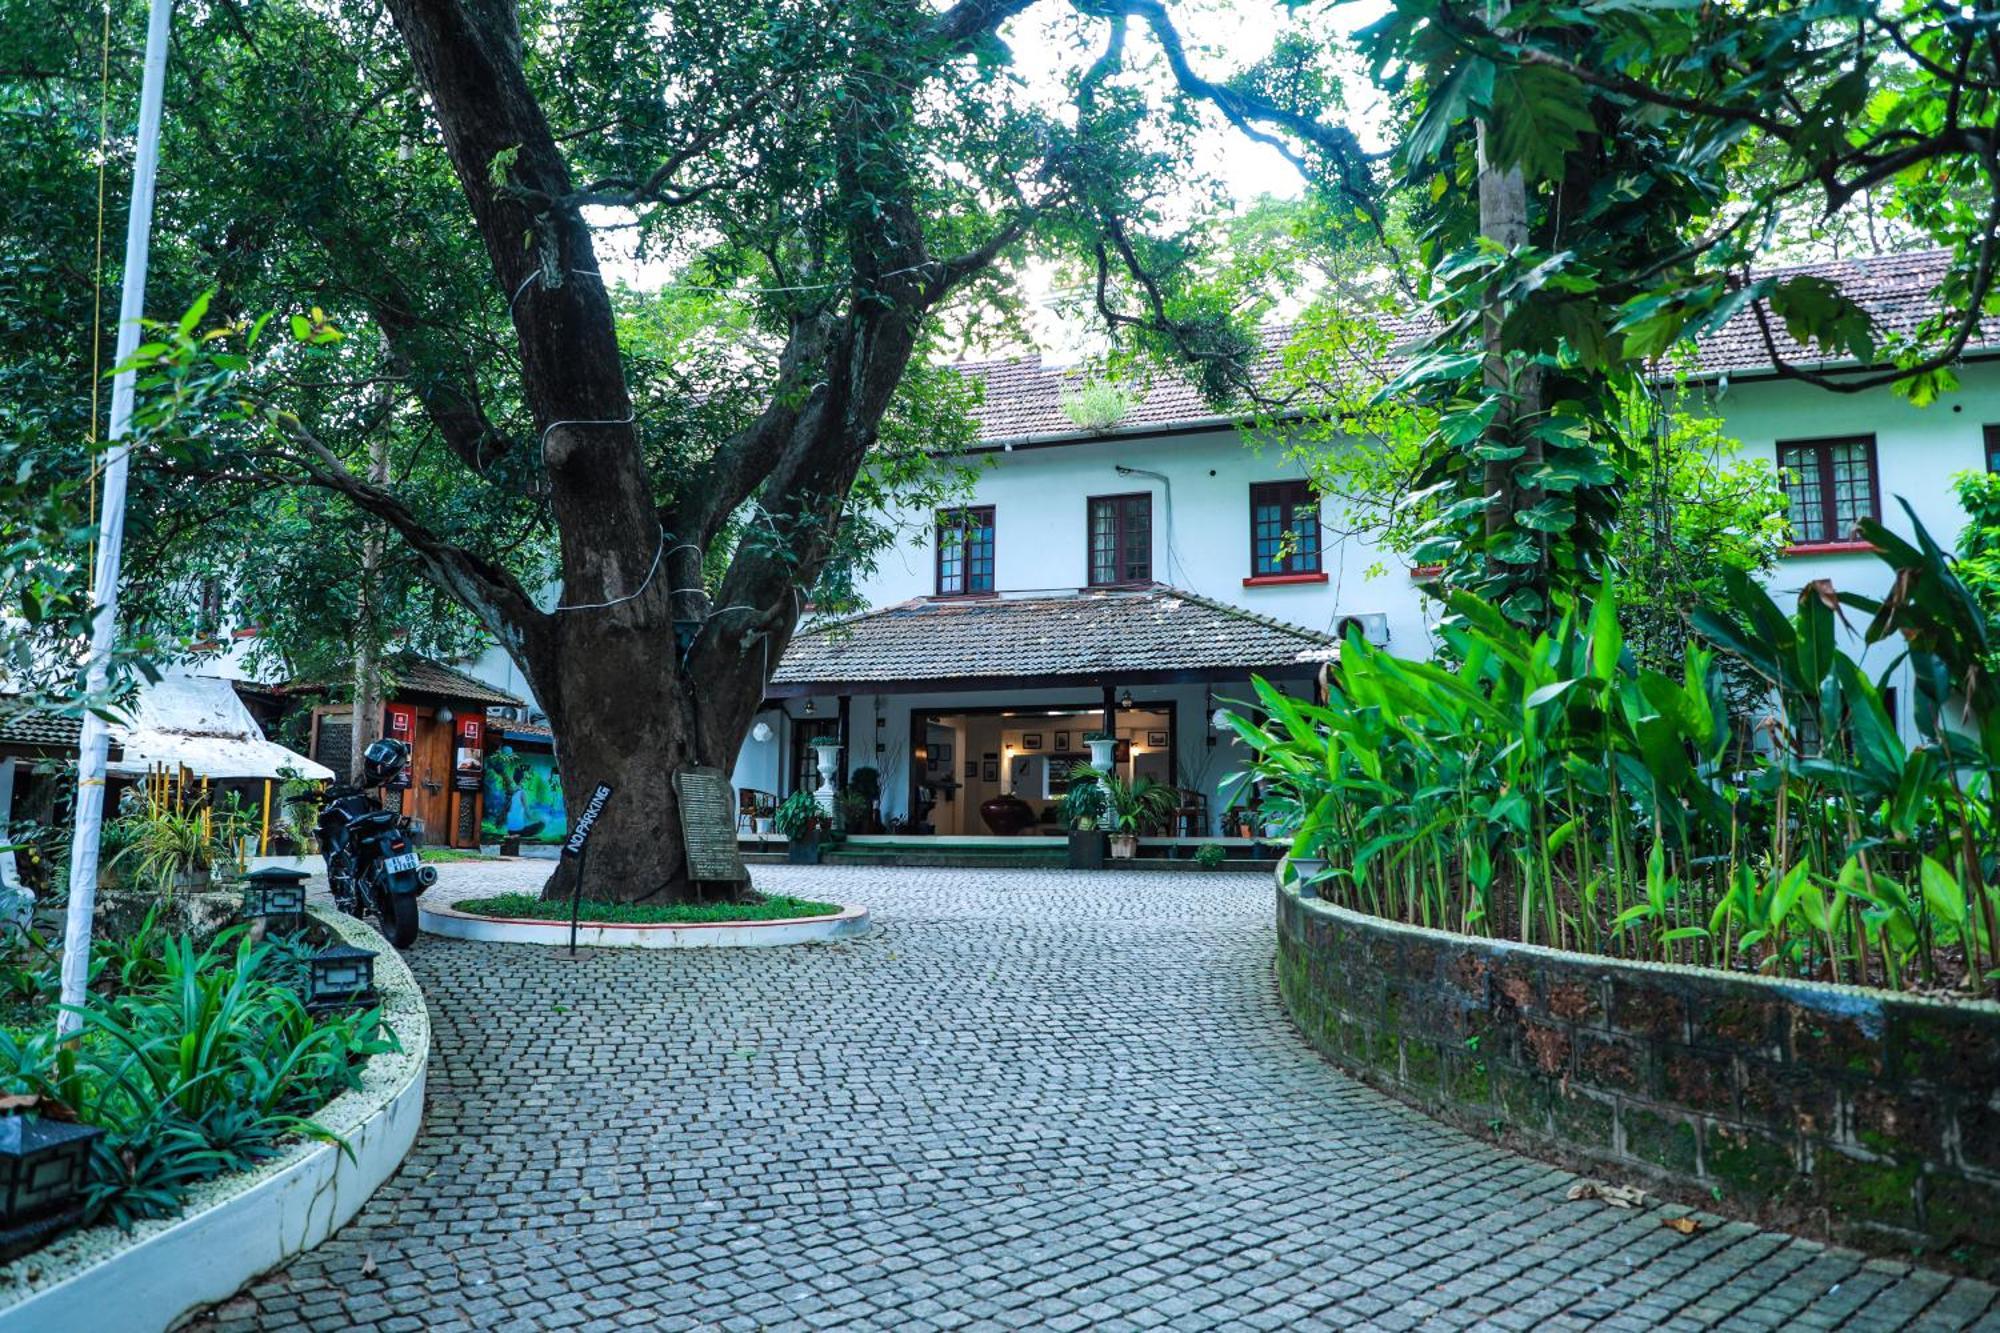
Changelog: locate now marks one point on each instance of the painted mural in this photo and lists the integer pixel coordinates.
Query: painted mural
(524, 797)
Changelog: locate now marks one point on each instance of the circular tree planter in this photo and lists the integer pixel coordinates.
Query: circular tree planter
(443, 919)
(237, 1226)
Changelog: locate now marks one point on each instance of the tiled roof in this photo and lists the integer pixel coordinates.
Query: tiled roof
(37, 728)
(1092, 634)
(421, 675)
(1024, 398)
(502, 725)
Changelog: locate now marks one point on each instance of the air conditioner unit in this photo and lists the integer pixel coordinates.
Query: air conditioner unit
(1372, 626)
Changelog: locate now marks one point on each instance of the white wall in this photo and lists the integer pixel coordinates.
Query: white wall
(1040, 498)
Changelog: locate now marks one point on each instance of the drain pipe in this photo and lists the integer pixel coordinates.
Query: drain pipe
(1167, 487)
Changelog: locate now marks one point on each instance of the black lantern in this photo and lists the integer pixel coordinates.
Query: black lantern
(272, 892)
(1125, 701)
(42, 1169)
(341, 977)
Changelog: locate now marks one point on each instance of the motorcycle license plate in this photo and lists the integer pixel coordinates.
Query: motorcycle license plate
(407, 861)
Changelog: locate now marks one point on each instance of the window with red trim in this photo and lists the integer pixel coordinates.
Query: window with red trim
(1121, 539)
(1830, 485)
(1284, 529)
(965, 551)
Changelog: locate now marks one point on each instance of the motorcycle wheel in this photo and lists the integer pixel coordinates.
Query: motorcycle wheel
(400, 919)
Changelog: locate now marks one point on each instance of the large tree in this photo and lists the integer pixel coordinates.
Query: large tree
(436, 182)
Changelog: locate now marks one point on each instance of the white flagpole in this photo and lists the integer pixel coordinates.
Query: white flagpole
(111, 533)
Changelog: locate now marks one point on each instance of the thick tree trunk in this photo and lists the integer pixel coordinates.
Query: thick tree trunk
(625, 707)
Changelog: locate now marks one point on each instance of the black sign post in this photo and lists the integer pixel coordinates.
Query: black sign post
(574, 847)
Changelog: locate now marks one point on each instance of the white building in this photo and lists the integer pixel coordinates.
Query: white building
(1129, 575)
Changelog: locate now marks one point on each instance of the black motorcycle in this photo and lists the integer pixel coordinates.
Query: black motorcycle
(371, 860)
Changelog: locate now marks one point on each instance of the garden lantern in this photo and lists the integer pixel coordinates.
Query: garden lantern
(274, 892)
(42, 1169)
(340, 977)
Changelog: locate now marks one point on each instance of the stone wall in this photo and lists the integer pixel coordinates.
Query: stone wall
(1868, 1117)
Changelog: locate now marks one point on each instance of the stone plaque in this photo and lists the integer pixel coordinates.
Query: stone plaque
(708, 826)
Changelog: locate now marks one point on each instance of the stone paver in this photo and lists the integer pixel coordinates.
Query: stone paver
(1026, 1100)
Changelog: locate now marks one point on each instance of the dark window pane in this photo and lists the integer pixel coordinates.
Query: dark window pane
(1121, 539)
(1798, 469)
(1284, 528)
(965, 551)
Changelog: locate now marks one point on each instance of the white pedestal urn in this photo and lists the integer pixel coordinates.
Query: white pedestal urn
(828, 755)
(1103, 752)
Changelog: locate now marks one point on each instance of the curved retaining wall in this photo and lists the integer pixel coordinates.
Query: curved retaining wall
(239, 1225)
(1866, 1116)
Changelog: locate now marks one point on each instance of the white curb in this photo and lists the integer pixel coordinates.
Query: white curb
(449, 921)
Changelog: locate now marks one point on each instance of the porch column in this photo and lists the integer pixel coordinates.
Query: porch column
(846, 750)
(1111, 710)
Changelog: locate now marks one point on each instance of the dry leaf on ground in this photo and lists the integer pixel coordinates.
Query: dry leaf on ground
(368, 1265)
(1687, 1226)
(1618, 1196)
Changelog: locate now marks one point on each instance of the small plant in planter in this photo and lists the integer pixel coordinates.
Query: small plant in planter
(1211, 856)
(1082, 810)
(1133, 808)
(801, 821)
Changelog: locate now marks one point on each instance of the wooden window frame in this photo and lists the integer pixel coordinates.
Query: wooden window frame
(1120, 550)
(1991, 435)
(955, 521)
(1836, 537)
(1296, 494)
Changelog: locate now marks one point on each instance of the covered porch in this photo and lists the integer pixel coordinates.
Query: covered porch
(974, 711)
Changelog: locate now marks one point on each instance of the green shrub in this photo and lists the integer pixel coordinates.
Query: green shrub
(1548, 787)
(1211, 856)
(195, 1061)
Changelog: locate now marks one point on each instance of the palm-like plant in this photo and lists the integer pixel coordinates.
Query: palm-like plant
(1139, 805)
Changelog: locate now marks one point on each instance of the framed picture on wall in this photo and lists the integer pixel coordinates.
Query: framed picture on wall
(1062, 742)
(1031, 740)
(990, 770)
(941, 754)
(972, 768)
(1156, 740)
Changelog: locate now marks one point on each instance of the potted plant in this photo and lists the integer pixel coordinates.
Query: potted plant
(800, 820)
(852, 809)
(1134, 807)
(1211, 856)
(1082, 810)
(761, 814)
(867, 783)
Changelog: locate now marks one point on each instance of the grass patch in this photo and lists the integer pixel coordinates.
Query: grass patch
(527, 906)
(444, 855)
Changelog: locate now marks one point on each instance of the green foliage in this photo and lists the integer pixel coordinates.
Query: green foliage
(1210, 856)
(168, 837)
(1085, 804)
(1139, 806)
(532, 908)
(196, 1060)
(798, 815)
(1979, 540)
(1554, 789)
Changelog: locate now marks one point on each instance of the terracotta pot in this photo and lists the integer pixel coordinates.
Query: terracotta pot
(1007, 814)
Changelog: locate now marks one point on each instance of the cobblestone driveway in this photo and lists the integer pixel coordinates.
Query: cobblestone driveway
(1028, 1099)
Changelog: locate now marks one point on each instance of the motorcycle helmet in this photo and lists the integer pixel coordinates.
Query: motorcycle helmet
(383, 760)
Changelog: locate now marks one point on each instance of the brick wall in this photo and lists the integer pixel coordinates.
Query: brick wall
(1864, 1116)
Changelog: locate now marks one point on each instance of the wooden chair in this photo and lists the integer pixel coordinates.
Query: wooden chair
(1191, 815)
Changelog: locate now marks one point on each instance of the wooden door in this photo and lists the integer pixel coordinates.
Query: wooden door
(429, 797)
